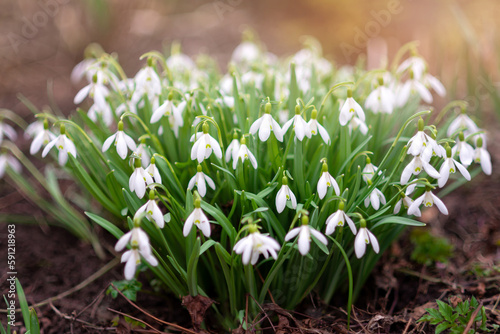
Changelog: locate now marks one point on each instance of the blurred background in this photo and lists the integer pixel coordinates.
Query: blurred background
(42, 40)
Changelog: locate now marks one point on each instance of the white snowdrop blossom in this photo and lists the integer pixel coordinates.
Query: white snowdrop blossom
(143, 153)
(350, 109)
(8, 131)
(147, 82)
(410, 87)
(363, 238)
(416, 165)
(95, 90)
(464, 150)
(132, 258)
(244, 154)
(246, 53)
(204, 145)
(462, 123)
(199, 219)
(254, 244)
(481, 156)
(139, 179)
(315, 128)
(63, 144)
(8, 160)
(299, 125)
(369, 170)
(151, 211)
(355, 124)
(406, 201)
(42, 138)
(434, 83)
(284, 195)
(153, 171)
(121, 141)
(448, 167)
(415, 65)
(265, 125)
(421, 142)
(199, 181)
(338, 218)
(137, 238)
(429, 199)
(233, 149)
(304, 232)
(381, 100)
(174, 113)
(375, 198)
(325, 181)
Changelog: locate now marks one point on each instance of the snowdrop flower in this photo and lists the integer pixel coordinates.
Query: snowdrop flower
(284, 195)
(102, 111)
(169, 109)
(128, 105)
(315, 127)
(137, 238)
(63, 144)
(413, 64)
(350, 109)
(299, 125)
(254, 244)
(304, 232)
(416, 165)
(153, 171)
(198, 218)
(42, 138)
(462, 123)
(375, 198)
(246, 53)
(121, 140)
(8, 160)
(204, 145)
(420, 141)
(363, 238)
(233, 148)
(325, 181)
(7, 130)
(244, 154)
(139, 243)
(81, 69)
(95, 90)
(355, 124)
(34, 129)
(369, 170)
(481, 156)
(448, 167)
(133, 259)
(432, 82)
(199, 181)
(406, 201)
(139, 179)
(151, 210)
(265, 125)
(143, 153)
(409, 87)
(225, 101)
(464, 150)
(147, 82)
(381, 99)
(338, 218)
(429, 199)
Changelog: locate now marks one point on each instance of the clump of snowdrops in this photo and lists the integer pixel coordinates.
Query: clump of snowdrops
(280, 178)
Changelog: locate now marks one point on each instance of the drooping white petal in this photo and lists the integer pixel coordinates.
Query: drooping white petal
(440, 205)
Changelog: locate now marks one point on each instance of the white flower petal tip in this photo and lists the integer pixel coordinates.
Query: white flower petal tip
(200, 220)
(363, 238)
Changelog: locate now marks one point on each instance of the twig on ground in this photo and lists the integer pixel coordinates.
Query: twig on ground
(472, 318)
(136, 319)
(265, 314)
(78, 287)
(85, 323)
(180, 328)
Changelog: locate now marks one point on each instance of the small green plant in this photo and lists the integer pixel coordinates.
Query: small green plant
(455, 319)
(429, 248)
(128, 288)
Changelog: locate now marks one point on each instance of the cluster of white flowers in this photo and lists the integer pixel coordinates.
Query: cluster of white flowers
(167, 103)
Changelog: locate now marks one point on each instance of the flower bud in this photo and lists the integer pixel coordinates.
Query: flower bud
(205, 127)
(268, 108)
(297, 110)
